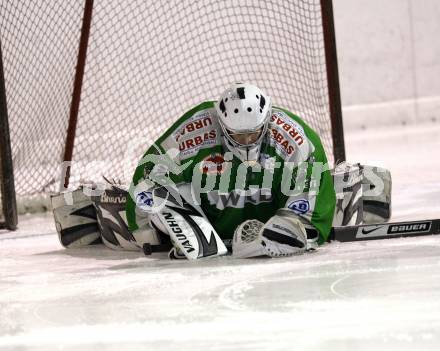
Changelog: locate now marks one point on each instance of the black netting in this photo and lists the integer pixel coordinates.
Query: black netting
(147, 63)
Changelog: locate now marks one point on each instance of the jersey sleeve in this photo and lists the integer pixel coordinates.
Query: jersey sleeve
(156, 168)
(310, 194)
(170, 160)
(312, 198)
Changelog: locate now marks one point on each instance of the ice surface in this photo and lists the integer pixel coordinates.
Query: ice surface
(376, 295)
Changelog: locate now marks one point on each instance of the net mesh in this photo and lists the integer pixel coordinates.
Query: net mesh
(148, 62)
(40, 44)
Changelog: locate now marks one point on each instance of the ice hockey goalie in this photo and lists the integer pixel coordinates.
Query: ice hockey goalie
(235, 173)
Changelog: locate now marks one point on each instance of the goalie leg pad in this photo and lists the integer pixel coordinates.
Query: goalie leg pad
(75, 219)
(112, 221)
(347, 180)
(363, 194)
(377, 186)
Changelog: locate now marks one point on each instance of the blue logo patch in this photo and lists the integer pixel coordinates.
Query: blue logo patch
(300, 206)
(144, 200)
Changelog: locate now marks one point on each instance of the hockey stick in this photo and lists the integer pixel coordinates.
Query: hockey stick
(385, 230)
(357, 233)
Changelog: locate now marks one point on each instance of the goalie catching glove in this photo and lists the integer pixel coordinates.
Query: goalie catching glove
(280, 236)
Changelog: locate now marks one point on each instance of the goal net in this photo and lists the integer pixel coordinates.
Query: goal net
(147, 63)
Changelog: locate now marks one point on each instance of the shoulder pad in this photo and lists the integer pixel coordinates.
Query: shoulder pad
(288, 137)
(200, 130)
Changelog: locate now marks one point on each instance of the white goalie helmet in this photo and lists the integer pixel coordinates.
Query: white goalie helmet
(244, 111)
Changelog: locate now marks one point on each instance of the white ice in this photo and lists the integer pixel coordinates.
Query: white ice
(376, 295)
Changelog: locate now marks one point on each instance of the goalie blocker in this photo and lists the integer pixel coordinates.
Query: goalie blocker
(171, 211)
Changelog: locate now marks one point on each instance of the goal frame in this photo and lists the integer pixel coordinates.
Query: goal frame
(8, 203)
(7, 179)
(334, 93)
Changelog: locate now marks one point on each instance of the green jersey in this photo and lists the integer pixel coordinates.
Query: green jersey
(291, 174)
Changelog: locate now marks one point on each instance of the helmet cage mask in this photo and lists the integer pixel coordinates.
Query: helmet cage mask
(244, 109)
(262, 129)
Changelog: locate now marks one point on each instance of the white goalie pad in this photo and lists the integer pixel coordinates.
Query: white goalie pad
(363, 194)
(112, 220)
(377, 185)
(75, 219)
(84, 217)
(347, 180)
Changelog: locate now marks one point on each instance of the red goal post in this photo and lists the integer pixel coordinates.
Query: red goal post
(8, 206)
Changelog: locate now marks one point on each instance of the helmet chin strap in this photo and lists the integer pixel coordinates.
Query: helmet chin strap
(243, 153)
